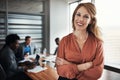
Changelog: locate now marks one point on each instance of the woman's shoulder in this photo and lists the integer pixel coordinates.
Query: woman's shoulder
(70, 35)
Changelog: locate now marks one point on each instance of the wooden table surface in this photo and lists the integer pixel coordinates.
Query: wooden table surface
(48, 74)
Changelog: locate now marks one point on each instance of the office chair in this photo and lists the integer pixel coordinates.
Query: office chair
(2, 73)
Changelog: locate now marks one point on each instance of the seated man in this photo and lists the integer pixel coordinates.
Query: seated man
(26, 48)
(8, 59)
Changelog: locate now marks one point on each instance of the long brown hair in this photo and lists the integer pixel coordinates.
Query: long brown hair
(92, 27)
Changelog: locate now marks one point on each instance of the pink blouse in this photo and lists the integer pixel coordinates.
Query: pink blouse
(91, 51)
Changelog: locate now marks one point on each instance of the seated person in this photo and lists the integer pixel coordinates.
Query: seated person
(8, 59)
(57, 40)
(26, 48)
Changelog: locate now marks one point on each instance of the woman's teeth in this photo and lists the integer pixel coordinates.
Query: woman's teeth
(79, 24)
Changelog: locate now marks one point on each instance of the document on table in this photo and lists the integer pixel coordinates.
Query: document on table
(28, 58)
(50, 58)
(37, 69)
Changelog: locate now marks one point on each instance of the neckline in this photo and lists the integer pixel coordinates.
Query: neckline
(80, 48)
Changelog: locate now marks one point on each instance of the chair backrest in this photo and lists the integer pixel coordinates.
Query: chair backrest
(2, 73)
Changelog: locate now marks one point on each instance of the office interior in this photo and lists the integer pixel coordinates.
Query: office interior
(44, 20)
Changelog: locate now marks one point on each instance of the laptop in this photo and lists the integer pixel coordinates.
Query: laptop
(37, 59)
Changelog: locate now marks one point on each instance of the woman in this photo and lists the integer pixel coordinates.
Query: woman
(80, 54)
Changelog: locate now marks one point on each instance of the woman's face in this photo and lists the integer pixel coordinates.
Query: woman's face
(82, 19)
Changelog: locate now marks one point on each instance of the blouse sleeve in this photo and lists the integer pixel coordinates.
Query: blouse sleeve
(96, 70)
(70, 70)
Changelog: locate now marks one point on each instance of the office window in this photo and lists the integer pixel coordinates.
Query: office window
(26, 24)
(2, 22)
(25, 17)
(2, 27)
(108, 20)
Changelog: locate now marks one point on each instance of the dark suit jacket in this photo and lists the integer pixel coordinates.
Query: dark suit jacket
(8, 62)
(55, 51)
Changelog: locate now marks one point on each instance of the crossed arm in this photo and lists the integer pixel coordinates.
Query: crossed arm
(81, 67)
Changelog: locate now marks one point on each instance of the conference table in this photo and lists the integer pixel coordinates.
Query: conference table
(49, 73)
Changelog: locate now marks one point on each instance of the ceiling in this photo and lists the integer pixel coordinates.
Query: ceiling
(23, 6)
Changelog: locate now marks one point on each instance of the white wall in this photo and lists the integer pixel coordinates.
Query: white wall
(58, 21)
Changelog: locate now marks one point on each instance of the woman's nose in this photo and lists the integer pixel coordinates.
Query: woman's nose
(81, 18)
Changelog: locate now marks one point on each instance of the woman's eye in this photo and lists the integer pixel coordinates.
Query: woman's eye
(78, 14)
(86, 16)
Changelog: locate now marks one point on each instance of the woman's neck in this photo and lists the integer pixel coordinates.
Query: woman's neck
(81, 34)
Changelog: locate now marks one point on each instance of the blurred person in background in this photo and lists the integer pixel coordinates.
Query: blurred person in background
(57, 41)
(26, 48)
(8, 59)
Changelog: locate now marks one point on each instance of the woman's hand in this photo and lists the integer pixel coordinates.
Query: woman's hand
(60, 61)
